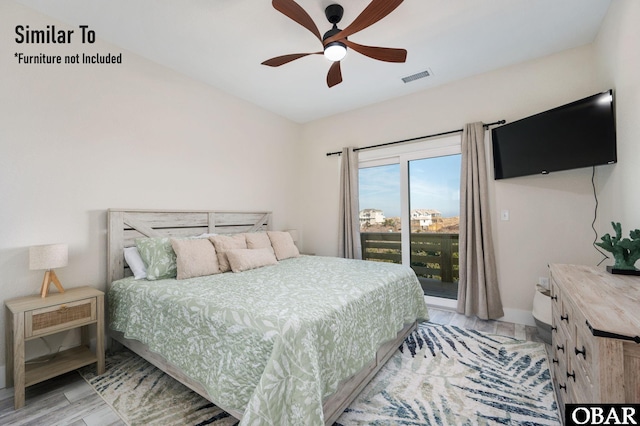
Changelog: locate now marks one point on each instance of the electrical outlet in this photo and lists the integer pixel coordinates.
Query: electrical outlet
(504, 215)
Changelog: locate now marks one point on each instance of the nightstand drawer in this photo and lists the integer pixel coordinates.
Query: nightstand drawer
(59, 317)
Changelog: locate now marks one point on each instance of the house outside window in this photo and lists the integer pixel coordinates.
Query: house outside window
(369, 217)
(410, 212)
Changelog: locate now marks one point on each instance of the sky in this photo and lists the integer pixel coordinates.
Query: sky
(434, 184)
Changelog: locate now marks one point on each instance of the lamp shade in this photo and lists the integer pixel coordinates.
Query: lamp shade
(48, 256)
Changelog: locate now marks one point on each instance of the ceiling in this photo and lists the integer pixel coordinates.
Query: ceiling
(223, 42)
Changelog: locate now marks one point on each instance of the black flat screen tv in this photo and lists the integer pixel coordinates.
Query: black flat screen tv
(579, 134)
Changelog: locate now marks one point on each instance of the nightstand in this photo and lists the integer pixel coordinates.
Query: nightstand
(32, 317)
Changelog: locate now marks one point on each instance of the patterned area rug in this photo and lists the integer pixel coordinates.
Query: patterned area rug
(442, 375)
(445, 375)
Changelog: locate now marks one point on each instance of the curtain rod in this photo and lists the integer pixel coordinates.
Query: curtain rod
(414, 139)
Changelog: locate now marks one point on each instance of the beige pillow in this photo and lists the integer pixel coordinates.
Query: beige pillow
(224, 243)
(258, 240)
(245, 259)
(283, 245)
(195, 258)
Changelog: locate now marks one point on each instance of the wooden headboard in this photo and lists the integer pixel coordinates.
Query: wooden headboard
(124, 226)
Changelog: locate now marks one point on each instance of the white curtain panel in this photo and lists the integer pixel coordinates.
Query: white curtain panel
(478, 292)
(349, 226)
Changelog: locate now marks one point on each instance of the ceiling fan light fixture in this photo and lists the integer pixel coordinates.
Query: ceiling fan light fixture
(335, 41)
(335, 51)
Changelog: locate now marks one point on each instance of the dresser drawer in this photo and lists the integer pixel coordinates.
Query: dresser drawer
(567, 319)
(559, 362)
(559, 343)
(584, 351)
(561, 310)
(556, 297)
(579, 384)
(59, 317)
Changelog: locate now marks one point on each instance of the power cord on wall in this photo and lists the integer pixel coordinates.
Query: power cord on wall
(595, 216)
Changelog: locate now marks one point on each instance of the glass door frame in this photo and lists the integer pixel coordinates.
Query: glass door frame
(402, 155)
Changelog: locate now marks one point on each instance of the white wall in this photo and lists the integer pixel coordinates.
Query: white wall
(618, 50)
(76, 140)
(551, 215)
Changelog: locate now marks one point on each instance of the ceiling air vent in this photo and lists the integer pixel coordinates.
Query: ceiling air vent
(417, 76)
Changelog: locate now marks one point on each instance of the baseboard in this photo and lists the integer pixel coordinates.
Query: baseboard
(441, 303)
(517, 316)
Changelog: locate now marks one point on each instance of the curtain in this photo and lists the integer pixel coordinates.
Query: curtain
(349, 226)
(478, 292)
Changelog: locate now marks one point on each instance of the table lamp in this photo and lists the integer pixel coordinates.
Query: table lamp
(48, 257)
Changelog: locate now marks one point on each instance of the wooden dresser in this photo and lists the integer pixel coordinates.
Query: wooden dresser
(595, 335)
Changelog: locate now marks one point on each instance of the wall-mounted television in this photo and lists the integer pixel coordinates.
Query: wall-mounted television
(579, 134)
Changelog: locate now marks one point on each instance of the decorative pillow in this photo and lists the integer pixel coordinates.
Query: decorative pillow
(158, 257)
(133, 259)
(195, 258)
(283, 245)
(245, 259)
(224, 243)
(258, 240)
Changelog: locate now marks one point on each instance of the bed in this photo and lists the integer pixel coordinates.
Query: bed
(289, 343)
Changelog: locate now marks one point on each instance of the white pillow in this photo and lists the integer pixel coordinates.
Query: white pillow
(245, 259)
(258, 240)
(283, 245)
(134, 260)
(195, 258)
(223, 243)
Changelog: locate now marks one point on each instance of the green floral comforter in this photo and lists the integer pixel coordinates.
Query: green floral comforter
(271, 342)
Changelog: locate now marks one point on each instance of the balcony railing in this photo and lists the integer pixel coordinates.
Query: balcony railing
(434, 258)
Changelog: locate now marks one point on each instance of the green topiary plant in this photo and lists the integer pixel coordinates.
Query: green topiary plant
(626, 252)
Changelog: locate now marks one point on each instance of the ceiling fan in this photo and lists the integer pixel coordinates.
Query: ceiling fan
(334, 41)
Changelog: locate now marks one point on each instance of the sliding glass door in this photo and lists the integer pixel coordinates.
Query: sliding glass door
(434, 199)
(410, 214)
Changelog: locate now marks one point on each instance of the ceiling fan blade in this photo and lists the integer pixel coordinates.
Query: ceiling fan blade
(285, 59)
(386, 54)
(376, 10)
(294, 11)
(335, 75)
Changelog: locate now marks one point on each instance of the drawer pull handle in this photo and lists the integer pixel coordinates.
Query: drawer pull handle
(554, 328)
(565, 317)
(560, 348)
(554, 297)
(563, 387)
(572, 375)
(583, 352)
(555, 361)
(62, 309)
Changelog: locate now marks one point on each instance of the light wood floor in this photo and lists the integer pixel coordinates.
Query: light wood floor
(518, 331)
(69, 400)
